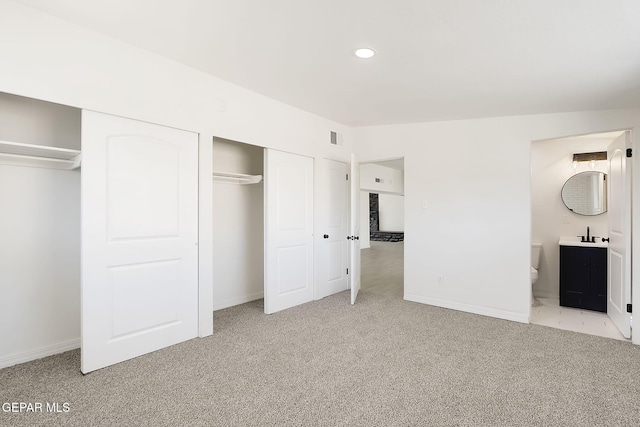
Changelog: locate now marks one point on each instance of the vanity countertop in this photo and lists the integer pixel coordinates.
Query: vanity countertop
(575, 241)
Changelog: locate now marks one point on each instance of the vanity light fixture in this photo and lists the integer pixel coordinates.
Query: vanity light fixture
(592, 158)
(364, 53)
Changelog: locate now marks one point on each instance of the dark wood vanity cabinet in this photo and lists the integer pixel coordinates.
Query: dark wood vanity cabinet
(583, 277)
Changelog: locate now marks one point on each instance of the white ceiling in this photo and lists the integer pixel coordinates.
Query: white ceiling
(436, 59)
(393, 164)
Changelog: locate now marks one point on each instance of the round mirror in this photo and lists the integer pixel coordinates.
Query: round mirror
(585, 193)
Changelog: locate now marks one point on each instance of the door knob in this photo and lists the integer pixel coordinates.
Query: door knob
(605, 240)
(326, 236)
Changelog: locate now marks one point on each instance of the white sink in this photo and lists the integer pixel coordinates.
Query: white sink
(575, 241)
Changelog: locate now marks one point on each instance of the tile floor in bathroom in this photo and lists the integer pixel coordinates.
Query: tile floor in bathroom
(550, 313)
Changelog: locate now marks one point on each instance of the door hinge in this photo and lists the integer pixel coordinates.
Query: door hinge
(347, 271)
(347, 177)
(629, 306)
(629, 152)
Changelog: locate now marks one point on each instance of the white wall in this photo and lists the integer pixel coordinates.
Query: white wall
(238, 226)
(48, 59)
(391, 211)
(30, 121)
(365, 241)
(39, 262)
(39, 236)
(550, 168)
(467, 186)
(391, 180)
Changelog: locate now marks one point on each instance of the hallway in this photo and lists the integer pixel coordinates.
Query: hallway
(383, 269)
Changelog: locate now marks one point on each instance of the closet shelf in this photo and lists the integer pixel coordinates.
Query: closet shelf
(42, 156)
(237, 178)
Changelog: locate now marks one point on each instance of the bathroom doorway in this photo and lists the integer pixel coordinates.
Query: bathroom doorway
(382, 214)
(555, 223)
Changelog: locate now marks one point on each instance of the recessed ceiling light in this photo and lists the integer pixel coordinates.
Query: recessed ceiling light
(364, 53)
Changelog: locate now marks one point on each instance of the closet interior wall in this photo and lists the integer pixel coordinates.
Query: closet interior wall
(39, 235)
(238, 225)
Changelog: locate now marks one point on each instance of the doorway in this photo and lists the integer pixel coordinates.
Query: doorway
(382, 214)
(555, 223)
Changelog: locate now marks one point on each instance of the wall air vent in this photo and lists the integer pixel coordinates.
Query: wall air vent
(336, 138)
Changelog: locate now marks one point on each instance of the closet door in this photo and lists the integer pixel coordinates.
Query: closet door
(288, 230)
(139, 238)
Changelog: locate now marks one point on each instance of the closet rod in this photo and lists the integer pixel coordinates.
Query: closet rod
(43, 156)
(239, 178)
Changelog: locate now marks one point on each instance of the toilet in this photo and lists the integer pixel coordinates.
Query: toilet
(536, 248)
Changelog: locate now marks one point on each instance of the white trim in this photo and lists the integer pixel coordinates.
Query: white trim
(475, 309)
(546, 294)
(219, 305)
(205, 235)
(39, 353)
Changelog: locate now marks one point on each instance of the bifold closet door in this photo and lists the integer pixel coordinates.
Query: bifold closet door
(139, 238)
(288, 192)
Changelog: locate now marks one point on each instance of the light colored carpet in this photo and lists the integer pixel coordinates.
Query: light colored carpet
(382, 362)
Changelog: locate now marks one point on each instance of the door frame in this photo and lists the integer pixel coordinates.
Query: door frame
(205, 235)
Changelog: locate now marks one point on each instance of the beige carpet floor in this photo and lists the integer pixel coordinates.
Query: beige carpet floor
(382, 362)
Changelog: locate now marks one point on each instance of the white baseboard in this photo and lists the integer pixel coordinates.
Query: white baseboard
(546, 294)
(219, 305)
(39, 353)
(484, 311)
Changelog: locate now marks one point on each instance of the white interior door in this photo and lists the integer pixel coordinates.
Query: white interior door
(332, 225)
(619, 252)
(354, 253)
(288, 193)
(139, 238)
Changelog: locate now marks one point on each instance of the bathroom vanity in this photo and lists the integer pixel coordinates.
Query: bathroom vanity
(583, 275)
